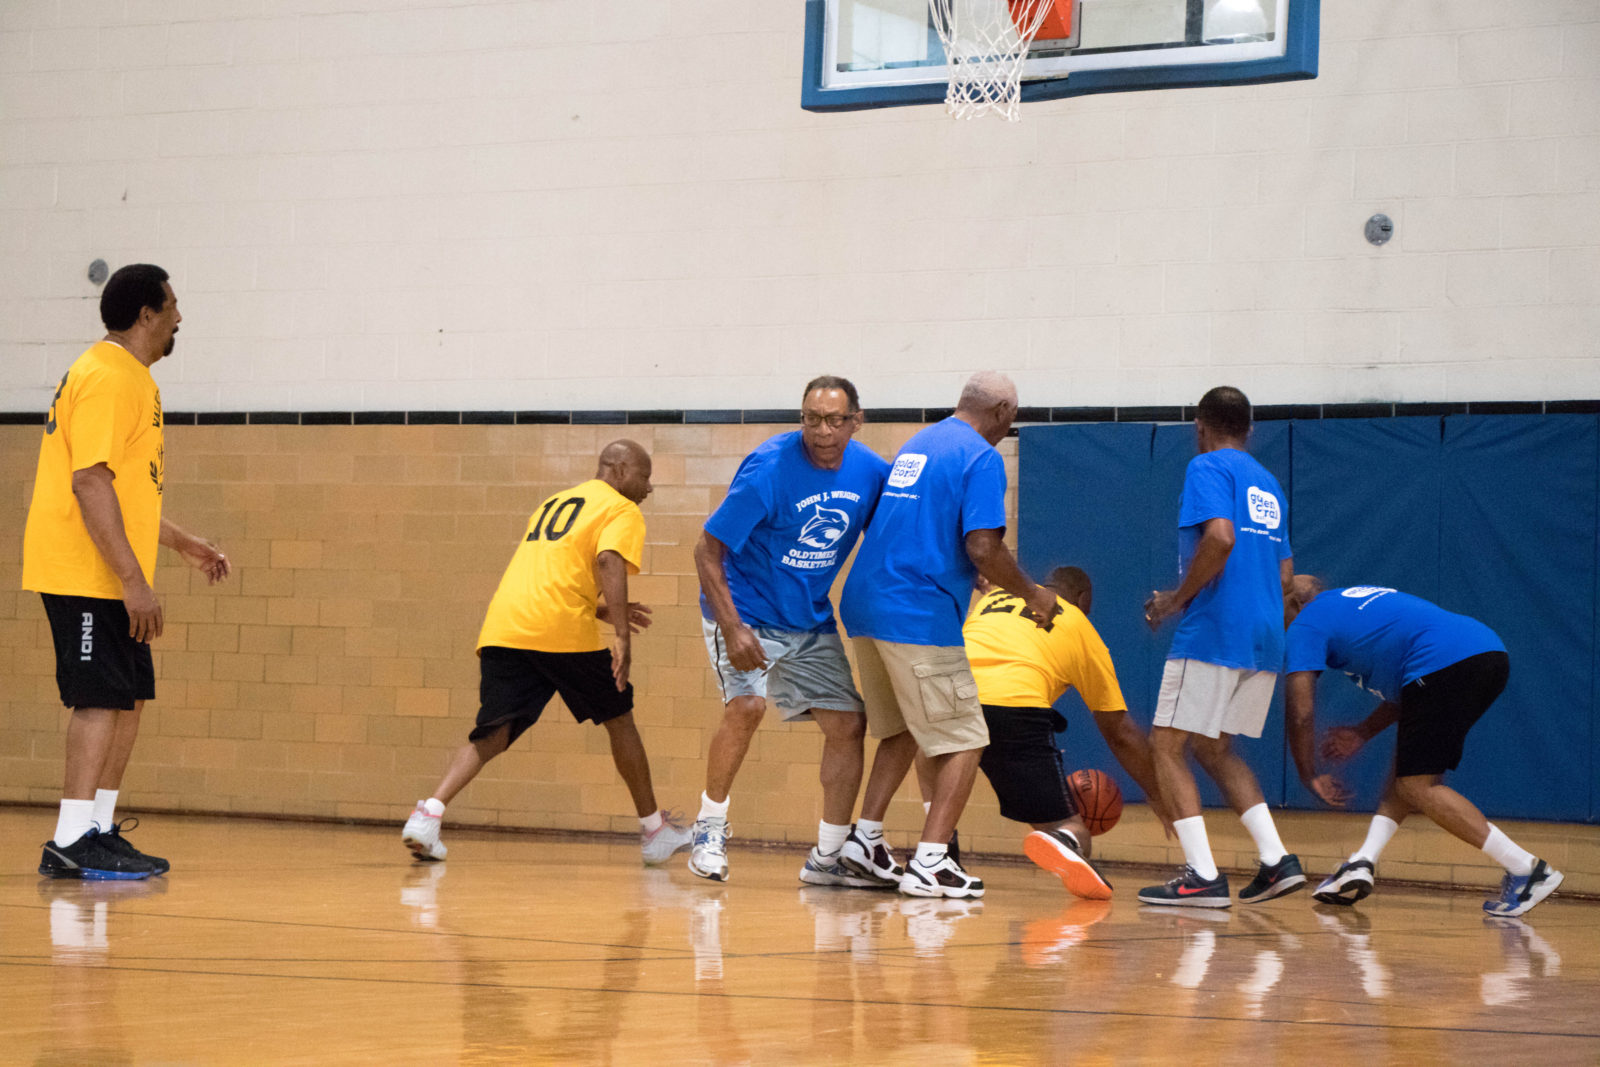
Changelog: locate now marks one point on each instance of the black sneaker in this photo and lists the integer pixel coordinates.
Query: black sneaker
(1190, 890)
(1350, 883)
(113, 840)
(1274, 880)
(89, 858)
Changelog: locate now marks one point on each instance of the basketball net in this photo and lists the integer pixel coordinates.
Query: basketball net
(985, 44)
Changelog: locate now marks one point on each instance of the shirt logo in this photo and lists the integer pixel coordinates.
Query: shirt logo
(1264, 510)
(824, 528)
(1361, 592)
(907, 469)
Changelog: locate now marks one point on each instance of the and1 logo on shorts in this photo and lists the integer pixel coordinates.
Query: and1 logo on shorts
(787, 525)
(1236, 620)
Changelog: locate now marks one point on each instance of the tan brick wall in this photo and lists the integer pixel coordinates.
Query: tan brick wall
(334, 673)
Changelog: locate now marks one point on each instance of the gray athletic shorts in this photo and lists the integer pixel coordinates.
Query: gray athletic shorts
(804, 671)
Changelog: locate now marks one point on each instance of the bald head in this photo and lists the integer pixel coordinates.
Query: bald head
(625, 466)
(989, 404)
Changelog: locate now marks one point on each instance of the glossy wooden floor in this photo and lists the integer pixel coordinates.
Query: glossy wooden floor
(295, 943)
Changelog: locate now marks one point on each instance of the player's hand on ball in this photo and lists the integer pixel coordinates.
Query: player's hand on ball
(1329, 790)
(744, 649)
(1341, 742)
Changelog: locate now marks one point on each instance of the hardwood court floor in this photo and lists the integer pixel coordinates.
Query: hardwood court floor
(296, 943)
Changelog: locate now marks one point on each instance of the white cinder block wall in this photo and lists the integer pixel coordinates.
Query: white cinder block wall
(552, 204)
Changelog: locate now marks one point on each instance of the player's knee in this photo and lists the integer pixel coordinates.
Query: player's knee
(1412, 790)
(744, 714)
(843, 726)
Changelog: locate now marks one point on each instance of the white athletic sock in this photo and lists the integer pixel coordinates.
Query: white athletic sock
(711, 809)
(105, 808)
(869, 829)
(1258, 820)
(1506, 852)
(75, 820)
(830, 838)
(433, 806)
(927, 806)
(1378, 835)
(1196, 846)
(930, 854)
(650, 823)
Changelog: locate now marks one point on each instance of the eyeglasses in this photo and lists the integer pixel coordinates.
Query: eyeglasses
(812, 420)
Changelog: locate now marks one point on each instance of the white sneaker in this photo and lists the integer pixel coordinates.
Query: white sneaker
(709, 858)
(421, 835)
(668, 839)
(870, 859)
(942, 879)
(820, 871)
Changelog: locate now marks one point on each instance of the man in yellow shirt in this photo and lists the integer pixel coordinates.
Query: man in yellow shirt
(1022, 670)
(89, 550)
(542, 637)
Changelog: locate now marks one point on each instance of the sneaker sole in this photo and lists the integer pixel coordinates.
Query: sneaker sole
(951, 892)
(1196, 901)
(1281, 888)
(1344, 896)
(839, 881)
(1074, 871)
(422, 851)
(1544, 889)
(715, 876)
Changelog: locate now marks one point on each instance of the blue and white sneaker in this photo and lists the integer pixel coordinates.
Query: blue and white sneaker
(708, 857)
(820, 870)
(1520, 892)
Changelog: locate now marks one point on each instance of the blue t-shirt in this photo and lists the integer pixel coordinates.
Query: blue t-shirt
(788, 525)
(1384, 640)
(912, 579)
(1237, 619)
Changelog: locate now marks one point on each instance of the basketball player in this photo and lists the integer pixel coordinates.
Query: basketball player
(89, 551)
(938, 525)
(767, 558)
(541, 638)
(1022, 670)
(1436, 673)
(1235, 565)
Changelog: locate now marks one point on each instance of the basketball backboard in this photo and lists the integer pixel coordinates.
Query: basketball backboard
(885, 53)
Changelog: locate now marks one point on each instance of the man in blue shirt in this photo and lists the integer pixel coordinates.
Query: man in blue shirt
(939, 525)
(1436, 673)
(1235, 565)
(766, 560)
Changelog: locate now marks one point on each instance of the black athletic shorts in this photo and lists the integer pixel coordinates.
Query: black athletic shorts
(515, 684)
(1023, 764)
(1438, 709)
(98, 664)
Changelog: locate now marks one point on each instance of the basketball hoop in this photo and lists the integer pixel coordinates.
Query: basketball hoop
(985, 44)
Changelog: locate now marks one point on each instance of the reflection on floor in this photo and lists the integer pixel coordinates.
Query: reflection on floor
(284, 942)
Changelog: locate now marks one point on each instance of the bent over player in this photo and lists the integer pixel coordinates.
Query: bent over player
(767, 558)
(89, 551)
(1022, 670)
(1436, 673)
(541, 638)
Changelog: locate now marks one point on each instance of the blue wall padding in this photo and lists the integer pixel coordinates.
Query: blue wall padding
(1517, 551)
(1347, 533)
(1497, 517)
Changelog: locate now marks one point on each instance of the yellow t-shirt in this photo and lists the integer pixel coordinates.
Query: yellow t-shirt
(107, 410)
(1018, 665)
(547, 596)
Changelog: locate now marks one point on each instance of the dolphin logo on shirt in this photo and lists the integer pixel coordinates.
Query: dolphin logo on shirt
(824, 528)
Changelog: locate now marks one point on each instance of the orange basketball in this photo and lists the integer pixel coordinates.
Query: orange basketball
(1098, 797)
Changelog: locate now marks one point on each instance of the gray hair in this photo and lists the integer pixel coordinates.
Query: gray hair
(985, 389)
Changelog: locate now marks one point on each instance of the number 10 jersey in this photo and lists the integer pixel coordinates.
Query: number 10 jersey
(547, 596)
